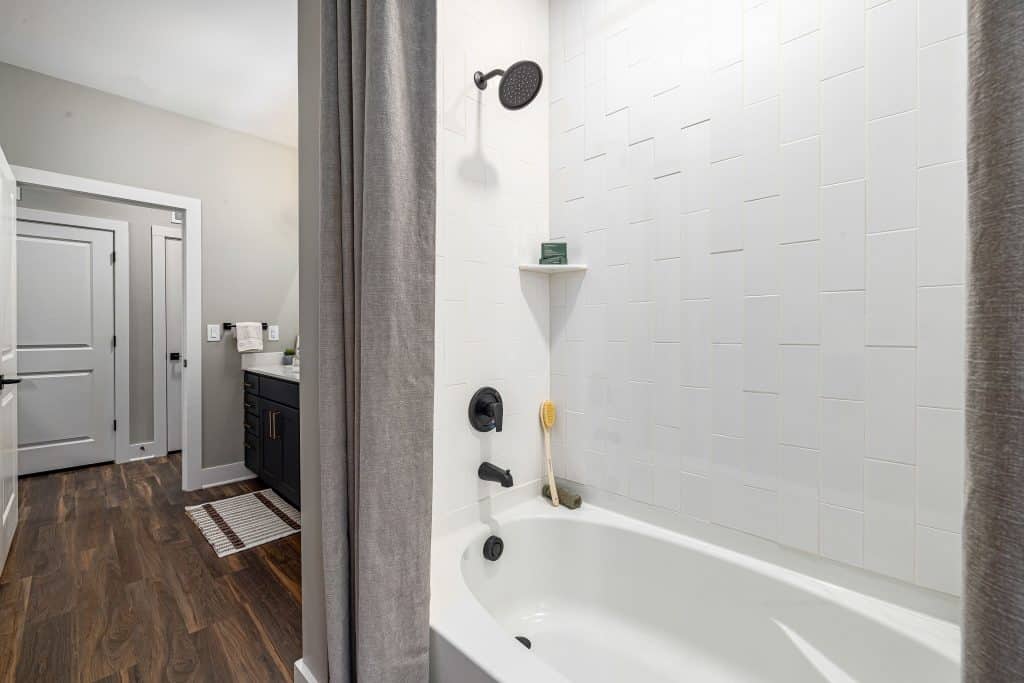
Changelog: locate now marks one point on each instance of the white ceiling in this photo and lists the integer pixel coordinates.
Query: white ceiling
(229, 62)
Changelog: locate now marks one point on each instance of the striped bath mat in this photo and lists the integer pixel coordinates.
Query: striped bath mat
(242, 522)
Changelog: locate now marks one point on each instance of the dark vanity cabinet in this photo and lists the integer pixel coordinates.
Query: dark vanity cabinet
(272, 432)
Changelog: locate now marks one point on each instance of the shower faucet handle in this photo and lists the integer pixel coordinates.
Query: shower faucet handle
(486, 410)
(496, 411)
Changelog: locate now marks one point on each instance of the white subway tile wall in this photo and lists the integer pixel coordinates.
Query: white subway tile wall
(770, 336)
(492, 324)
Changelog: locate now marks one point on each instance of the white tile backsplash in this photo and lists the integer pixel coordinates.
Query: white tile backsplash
(842, 345)
(726, 32)
(842, 236)
(761, 224)
(798, 289)
(798, 498)
(940, 19)
(801, 180)
(728, 187)
(726, 87)
(727, 297)
(761, 52)
(943, 102)
(891, 419)
(940, 349)
(892, 173)
(842, 128)
(939, 564)
(842, 27)
(891, 290)
(761, 343)
(759, 466)
(842, 453)
(889, 518)
(799, 86)
(772, 336)
(797, 18)
(940, 468)
(799, 395)
(727, 390)
(891, 57)
(942, 224)
(761, 159)
(842, 534)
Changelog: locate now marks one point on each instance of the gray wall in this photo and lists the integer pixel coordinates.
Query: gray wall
(249, 190)
(140, 304)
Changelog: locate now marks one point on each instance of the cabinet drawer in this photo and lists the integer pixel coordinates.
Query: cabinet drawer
(251, 403)
(252, 452)
(285, 393)
(252, 425)
(251, 382)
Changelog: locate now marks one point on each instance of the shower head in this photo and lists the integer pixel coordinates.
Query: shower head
(519, 84)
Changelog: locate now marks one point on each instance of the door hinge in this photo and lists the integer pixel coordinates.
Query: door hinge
(115, 425)
(113, 256)
(113, 341)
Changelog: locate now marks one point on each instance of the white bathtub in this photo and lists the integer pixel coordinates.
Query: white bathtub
(603, 597)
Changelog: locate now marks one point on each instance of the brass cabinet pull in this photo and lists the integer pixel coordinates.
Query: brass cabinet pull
(273, 423)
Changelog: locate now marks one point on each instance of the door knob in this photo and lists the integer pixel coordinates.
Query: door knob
(174, 356)
(5, 382)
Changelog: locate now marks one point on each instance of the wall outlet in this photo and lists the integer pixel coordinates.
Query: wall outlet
(213, 333)
(273, 332)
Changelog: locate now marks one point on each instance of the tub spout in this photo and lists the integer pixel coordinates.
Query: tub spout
(489, 472)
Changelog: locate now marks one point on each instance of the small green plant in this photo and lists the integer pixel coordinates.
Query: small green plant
(289, 352)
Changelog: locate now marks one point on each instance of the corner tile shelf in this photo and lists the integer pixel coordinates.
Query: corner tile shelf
(551, 269)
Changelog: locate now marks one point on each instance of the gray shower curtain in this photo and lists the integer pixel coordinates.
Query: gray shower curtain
(376, 326)
(993, 628)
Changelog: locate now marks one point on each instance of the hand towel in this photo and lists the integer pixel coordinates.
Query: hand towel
(249, 336)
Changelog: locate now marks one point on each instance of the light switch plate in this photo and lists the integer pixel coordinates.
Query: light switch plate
(273, 332)
(213, 333)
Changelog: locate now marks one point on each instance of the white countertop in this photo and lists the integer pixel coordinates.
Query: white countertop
(289, 373)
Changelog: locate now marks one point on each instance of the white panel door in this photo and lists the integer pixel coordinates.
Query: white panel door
(175, 339)
(8, 362)
(168, 338)
(65, 346)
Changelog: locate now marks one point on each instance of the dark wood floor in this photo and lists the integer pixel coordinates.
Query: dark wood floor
(109, 580)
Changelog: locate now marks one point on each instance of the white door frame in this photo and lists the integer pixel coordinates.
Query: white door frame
(192, 476)
(159, 235)
(122, 403)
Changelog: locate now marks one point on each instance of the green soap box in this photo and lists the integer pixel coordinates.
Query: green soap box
(554, 253)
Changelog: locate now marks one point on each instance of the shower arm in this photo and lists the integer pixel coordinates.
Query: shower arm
(481, 78)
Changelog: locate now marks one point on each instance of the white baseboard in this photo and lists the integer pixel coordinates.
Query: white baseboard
(302, 673)
(224, 474)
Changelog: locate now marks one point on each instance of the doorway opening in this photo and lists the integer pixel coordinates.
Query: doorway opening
(152, 440)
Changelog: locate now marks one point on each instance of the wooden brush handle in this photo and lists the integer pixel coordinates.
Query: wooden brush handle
(551, 471)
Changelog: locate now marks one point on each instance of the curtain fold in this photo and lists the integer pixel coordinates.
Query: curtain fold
(376, 326)
(993, 604)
